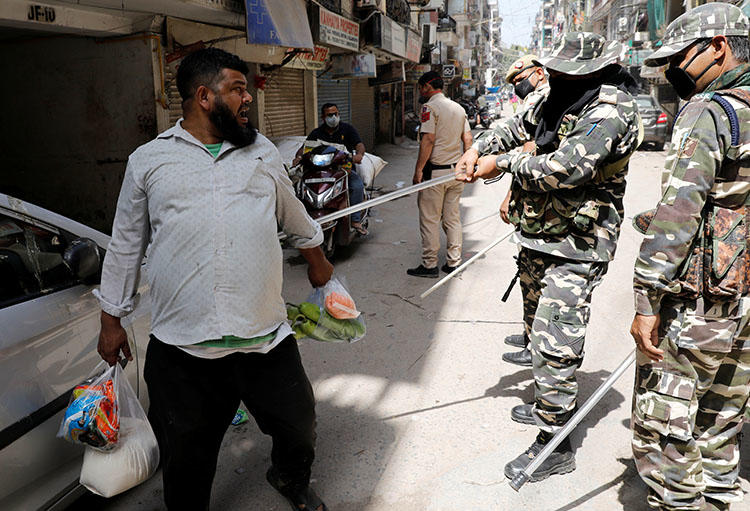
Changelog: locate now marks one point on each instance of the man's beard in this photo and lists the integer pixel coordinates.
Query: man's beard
(225, 121)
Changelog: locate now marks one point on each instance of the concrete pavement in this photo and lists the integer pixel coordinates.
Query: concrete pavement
(416, 416)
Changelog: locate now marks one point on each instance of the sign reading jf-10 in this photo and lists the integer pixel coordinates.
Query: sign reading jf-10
(41, 13)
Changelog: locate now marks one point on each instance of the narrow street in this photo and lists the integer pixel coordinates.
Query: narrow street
(416, 416)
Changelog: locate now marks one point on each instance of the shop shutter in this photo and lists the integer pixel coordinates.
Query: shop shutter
(285, 103)
(173, 95)
(335, 91)
(363, 107)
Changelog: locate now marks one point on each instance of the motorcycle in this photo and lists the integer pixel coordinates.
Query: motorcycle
(323, 188)
(471, 111)
(485, 118)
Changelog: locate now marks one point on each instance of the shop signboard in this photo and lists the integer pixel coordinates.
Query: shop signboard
(467, 73)
(331, 29)
(314, 60)
(449, 72)
(278, 23)
(358, 65)
(413, 46)
(393, 37)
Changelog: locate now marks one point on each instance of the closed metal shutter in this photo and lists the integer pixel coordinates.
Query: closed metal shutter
(335, 91)
(363, 107)
(285, 103)
(173, 95)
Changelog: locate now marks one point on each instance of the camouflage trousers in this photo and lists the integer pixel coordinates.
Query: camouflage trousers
(556, 297)
(689, 408)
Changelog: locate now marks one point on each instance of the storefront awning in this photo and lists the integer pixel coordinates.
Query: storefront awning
(278, 23)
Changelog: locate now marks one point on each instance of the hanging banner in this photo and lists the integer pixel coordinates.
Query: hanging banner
(332, 29)
(278, 23)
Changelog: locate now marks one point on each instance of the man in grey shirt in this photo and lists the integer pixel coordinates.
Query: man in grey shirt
(203, 201)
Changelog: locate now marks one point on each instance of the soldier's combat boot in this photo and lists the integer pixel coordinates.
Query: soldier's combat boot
(523, 413)
(714, 505)
(520, 358)
(516, 340)
(561, 461)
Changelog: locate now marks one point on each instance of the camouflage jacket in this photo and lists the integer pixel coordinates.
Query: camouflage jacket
(605, 131)
(514, 128)
(702, 167)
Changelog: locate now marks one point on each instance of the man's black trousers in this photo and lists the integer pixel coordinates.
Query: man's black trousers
(193, 401)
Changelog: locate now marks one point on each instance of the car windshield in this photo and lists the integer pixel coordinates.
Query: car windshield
(644, 103)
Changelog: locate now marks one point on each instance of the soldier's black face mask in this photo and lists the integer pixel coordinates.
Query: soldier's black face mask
(524, 87)
(684, 84)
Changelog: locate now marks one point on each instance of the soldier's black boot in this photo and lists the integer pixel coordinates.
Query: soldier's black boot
(520, 358)
(561, 461)
(523, 413)
(714, 505)
(516, 340)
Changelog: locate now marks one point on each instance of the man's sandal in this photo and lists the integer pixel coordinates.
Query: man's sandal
(302, 500)
(359, 228)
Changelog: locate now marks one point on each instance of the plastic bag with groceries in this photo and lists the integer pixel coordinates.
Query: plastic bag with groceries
(328, 315)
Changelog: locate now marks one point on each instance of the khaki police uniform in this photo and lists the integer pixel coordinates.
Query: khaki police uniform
(439, 205)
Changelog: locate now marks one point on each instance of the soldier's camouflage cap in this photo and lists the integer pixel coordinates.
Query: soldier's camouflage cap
(707, 20)
(581, 53)
(519, 65)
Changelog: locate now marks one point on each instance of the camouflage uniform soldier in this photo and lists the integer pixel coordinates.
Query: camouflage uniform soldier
(530, 84)
(692, 310)
(567, 208)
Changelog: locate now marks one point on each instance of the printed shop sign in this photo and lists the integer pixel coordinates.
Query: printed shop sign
(315, 60)
(332, 29)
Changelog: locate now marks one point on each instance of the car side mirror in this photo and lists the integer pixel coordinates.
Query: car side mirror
(82, 257)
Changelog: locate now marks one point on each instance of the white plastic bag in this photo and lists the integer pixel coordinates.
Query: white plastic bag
(135, 457)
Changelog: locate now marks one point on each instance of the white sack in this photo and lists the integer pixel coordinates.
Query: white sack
(370, 167)
(132, 462)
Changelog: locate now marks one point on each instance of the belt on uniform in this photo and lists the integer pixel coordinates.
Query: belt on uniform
(442, 167)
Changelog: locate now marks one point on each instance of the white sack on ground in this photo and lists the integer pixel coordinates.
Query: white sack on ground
(132, 462)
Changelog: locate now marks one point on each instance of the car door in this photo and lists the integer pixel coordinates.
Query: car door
(49, 326)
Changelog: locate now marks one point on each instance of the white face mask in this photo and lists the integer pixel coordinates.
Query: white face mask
(332, 121)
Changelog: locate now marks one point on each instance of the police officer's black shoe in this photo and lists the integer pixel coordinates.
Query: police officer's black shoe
(421, 271)
(561, 461)
(523, 413)
(520, 358)
(448, 269)
(516, 340)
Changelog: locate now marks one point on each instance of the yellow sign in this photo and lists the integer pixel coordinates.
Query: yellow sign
(467, 73)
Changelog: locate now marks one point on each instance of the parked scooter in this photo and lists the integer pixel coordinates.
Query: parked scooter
(471, 111)
(324, 188)
(485, 118)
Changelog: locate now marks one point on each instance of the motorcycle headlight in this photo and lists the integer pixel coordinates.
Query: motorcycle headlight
(321, 160)
(320, 201)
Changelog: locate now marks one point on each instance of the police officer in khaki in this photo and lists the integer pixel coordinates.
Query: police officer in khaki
(445, 135)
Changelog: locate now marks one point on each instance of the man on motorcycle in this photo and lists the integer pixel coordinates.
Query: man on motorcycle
(336, 132)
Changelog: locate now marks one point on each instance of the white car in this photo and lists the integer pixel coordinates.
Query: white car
(49, 327)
